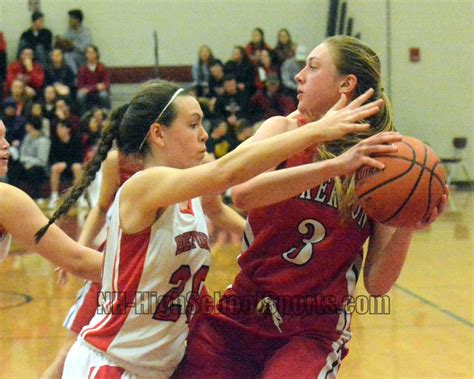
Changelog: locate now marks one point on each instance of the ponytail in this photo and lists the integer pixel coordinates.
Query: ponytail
(109, 134)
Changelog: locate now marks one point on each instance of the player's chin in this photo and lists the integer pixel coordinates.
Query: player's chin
(3, 169)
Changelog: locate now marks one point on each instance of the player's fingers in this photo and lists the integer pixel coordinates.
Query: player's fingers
(443, 204)
(357, 128)
(376, 103)
(341, 103)
(360, 114)
(358, 101)
(384, 137)
(373, 162)
(380, 149)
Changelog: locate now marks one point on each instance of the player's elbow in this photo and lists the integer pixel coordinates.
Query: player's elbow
(377, 288)
(240, 198)
(376, 291)
(80, 265)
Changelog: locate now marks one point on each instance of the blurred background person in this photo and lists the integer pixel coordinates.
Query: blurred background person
(75, 41)
(37, 38)
(93, 83)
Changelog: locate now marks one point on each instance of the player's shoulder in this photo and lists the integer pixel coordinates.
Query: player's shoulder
(274, 126)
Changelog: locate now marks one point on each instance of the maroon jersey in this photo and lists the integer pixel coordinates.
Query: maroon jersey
(128, 166)
(300, 253)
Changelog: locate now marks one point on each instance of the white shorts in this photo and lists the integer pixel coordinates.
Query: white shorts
(82, 362)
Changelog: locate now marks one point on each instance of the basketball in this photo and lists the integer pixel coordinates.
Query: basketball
(407, 189)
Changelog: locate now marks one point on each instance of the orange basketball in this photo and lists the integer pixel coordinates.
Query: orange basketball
(407, 189)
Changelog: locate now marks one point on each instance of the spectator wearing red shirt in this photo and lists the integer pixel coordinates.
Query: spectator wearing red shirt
(270, 101)
(256, 45)
(28, 70)
(93, 82)
(3, 63)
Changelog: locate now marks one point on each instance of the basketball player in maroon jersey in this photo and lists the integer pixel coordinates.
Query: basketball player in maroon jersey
(285, 314)
(157, 248)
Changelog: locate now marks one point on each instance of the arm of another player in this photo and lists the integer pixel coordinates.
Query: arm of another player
(21, 217)
(142, 197)
(108, 187)
(222, 215)
(219, 213)
(387, 251)
(274, 186)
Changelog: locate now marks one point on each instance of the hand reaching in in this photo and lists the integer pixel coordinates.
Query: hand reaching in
(345, 118)
(360, 154)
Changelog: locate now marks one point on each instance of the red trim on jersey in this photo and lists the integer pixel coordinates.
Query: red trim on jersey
(189, 209)
(130, 263)
(106, 372)
(87, 310)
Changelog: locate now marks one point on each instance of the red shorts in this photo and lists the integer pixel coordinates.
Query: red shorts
(221, 348)
(84, 308)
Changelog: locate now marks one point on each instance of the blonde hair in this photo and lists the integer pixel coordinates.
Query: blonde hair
(352, 56)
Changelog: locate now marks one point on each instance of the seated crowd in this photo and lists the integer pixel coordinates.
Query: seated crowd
(55, 99)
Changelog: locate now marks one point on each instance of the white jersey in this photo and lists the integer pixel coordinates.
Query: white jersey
(5, 242)
(150, 286)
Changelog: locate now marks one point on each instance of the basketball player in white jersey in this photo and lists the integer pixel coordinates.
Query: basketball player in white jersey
(116, 169)
(20, 218)
(157, 249)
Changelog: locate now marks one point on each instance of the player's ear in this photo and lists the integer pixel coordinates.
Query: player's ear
(157, 134)
(348, 84)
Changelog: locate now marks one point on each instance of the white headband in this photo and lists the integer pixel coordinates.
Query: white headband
(178, 91)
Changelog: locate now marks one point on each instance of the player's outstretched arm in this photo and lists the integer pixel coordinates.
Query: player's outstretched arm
(21, 217)
(143, 197)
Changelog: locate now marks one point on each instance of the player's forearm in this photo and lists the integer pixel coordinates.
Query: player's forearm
(275, 186)
(248, 160)
(228, 219)
(381, 275)
(94, 222)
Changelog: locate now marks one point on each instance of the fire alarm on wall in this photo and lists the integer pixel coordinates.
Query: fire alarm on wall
(414, 54)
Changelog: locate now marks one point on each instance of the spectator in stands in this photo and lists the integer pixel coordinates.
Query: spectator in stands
(65, 157)
(232, 106)
(231, 112)
(200, 70)
(30, 169)
(285, 48)
(256, 45)
(75, 41)
(49, 102)
(93, 82)
(270, 101)
(60, 75)
(3, 63)
(216, 80)
(290, 68)
(14, 110)
(37, 38)
(36, 111)
(222, 140)
(240, 67)
(216, 89)
(28, 70)
(92, 124)
(62, 113)
(265, 68)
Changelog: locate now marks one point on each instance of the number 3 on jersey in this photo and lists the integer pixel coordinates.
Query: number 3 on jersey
(166, 310)
(312, 232)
